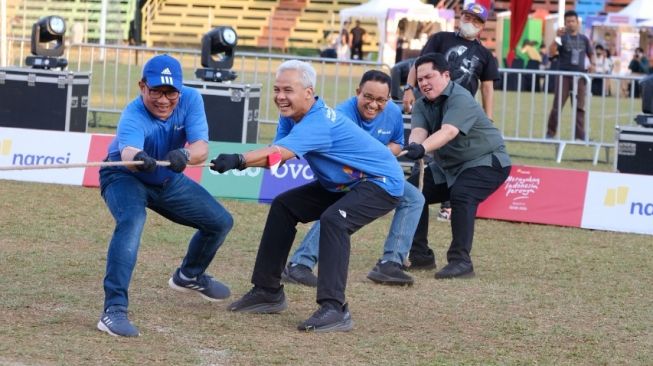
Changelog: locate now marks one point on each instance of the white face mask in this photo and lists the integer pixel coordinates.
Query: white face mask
(468, 30)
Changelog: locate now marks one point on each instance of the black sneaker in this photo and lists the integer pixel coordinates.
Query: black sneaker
(422, 262)
(204, 285)
(328, 318)
(260, 301)
(299, 274)
(456, 270)
(389, 273)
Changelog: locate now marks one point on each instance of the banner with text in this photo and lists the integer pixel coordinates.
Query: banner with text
(253, 183)
(592, 200)
(619, 202)
(539, 195)
(26, 147)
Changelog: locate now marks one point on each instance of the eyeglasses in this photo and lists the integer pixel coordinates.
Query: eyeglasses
(379, 101)
(171, 94)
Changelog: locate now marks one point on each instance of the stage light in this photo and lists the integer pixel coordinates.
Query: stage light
(218, 46)
(48, 43)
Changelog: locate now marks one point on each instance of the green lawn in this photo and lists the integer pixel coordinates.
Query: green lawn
(542, 295)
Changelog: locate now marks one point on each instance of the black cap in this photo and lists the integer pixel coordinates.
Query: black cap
(437, 59)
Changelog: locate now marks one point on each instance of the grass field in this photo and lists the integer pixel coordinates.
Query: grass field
(542, 295)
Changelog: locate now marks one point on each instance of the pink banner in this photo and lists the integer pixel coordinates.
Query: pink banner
(98, 151)
(539, 195)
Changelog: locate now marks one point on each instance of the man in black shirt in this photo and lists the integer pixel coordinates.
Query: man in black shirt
(357, 38)
(469, 61)
(571, 53)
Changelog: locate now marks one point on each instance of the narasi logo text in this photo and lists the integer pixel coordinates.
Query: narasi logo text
(33, 159)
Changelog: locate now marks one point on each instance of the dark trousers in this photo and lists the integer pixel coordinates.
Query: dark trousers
(563, 89)
(357, 51)
(471, 188)
(341, 214)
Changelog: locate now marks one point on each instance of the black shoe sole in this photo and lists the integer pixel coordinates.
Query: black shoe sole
(448, 277)
(344, 326)
(264, 308)
(425, 267)
(382, 279)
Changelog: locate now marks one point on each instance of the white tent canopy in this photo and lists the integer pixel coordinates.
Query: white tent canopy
(638, 9)
(379, 9)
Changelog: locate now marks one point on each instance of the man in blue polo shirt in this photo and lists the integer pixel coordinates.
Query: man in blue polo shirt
(370, 110)
(358, 181)
(157, 125)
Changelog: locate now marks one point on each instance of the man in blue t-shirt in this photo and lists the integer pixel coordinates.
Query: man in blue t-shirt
(165, 122)
(370, 110)
(358, 181)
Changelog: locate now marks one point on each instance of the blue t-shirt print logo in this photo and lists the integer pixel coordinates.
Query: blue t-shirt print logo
(331, 114)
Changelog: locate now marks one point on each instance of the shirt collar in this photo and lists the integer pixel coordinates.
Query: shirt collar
(446, 92)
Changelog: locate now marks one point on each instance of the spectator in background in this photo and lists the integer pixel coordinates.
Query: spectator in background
(638, 66)
(342, 44)
(602, 65)
(357, 39)
(472, 65)
(571, 51)
(544, 55)
(544, 65)
(639, 63)
(528, 48)
(328, 50)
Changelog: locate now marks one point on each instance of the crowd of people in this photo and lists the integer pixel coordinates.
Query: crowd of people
(347, 44)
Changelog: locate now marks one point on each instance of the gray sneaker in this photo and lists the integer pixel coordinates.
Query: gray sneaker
(299, 274)
(328, 318)
(389, 273)
(115, 321)
(260, 301)
(204, 285)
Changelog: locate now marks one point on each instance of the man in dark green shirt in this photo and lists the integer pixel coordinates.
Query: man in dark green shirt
(469, 163)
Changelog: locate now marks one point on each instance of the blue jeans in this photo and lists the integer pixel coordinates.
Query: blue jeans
(398, 242)
(180, 200)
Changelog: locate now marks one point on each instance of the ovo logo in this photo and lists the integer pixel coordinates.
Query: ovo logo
(615, 196)
(5, 147)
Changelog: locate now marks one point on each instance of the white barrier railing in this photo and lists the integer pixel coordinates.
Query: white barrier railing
(521, 105)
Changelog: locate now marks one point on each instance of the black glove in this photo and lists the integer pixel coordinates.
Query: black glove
(149, 164)
(414, 151)
(178, 160)
(226, 162)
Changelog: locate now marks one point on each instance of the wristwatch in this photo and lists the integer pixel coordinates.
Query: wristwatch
(408, 87)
